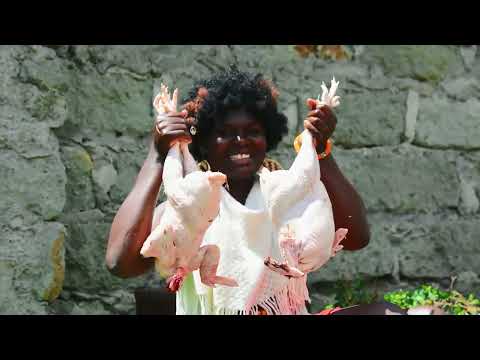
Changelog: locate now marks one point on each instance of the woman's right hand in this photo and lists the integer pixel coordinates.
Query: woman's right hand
(170, 125)
(170, 128)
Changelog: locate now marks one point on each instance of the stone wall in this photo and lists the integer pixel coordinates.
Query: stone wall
(74, 124)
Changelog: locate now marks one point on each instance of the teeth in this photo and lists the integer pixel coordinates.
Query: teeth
(239, 156)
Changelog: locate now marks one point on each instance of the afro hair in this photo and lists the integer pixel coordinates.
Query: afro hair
(210, 100)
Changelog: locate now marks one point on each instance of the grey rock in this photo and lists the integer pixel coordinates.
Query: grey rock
(425, 63)
(468, 169)
(366, 120)
(440, 249)
(79, 188)
(401, 179)
(442, 124)
(105, 177)
(469, 203)
(468, 54)
(48, 277)
(42, 68)
(35, 185)
(411, 116)
(134, 58)
(468, 282)
(407, 84)
(28, 140)
(462, 88)
(114, 103)
(375, 260)
(33, 267)
(85, 254)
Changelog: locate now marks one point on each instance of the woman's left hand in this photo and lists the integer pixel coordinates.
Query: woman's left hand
(321, 123)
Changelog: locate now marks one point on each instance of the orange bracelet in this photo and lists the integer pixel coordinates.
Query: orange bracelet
(297, 143)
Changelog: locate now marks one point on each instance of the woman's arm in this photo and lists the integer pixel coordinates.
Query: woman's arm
(348, 208)
(133, 222)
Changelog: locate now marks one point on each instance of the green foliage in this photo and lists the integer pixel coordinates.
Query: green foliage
(356, 292)
(452, 302)
(352, 292)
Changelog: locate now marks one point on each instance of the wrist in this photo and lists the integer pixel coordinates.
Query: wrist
(325, 151)
(322, 153)
(154, 155)
(321, 146)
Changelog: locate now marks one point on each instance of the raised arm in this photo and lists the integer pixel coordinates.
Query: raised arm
(133, 222)
(348, 208)
(347, 205)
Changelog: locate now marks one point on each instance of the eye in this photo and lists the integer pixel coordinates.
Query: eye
(255, 132)
(225, 134)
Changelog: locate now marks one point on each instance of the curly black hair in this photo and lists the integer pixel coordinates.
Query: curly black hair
(212, 99)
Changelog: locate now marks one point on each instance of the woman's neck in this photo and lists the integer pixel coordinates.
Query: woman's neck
(240, 189)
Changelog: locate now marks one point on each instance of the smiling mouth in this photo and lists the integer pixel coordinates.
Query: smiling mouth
(240, 156)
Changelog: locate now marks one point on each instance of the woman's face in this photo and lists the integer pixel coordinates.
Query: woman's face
(237, 146)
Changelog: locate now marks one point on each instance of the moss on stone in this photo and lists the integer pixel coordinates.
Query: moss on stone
(424, 63)
(58, 265)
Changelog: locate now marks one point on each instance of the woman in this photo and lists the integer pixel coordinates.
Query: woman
(235, 122)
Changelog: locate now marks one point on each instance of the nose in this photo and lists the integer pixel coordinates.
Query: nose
(240, 138)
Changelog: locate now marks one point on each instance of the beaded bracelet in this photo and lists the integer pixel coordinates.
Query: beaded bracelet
(328, 148)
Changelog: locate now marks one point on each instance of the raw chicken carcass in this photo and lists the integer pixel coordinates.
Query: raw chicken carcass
(300, 208)
(193, 202)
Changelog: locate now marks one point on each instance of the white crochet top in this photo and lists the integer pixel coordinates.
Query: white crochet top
(245, 238)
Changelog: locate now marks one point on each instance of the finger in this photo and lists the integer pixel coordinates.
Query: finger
(321, 126)
(179, 114)
(313, 130)
(319, 123)
(322, 110)
(190, 121)
(330, 117)
(168, 119)
(325, 114)
(318, 136)
(316, 113)
(174, 127)
(312, 113)
(164, 125)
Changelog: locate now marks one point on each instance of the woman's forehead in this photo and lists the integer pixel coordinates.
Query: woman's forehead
(237, 118)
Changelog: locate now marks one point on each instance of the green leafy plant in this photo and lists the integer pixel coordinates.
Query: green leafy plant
(352, 292)
(452, 301)
(356, 292)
